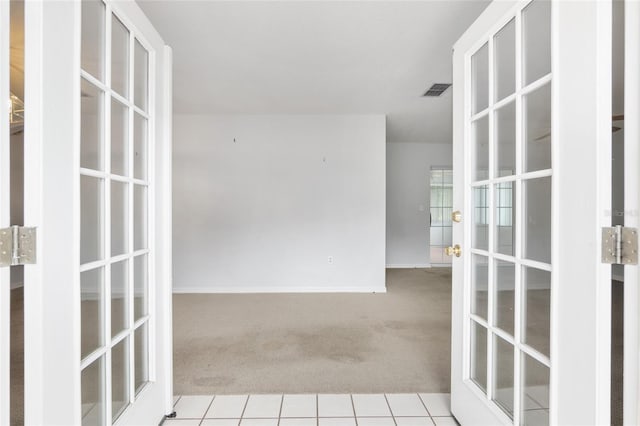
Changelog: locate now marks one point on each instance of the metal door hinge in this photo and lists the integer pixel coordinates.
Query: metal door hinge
(620, 245)
(17, 246)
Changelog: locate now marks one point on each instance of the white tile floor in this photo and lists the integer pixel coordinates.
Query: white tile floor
(313, 410)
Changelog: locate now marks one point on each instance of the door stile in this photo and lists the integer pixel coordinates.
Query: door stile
(491, 366)
(130, 214)
(52, 381)
(631, 414)
(519, 307)
(164, 243)
(106, 218)
(581, 289)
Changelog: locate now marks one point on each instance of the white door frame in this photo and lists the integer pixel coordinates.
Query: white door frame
(52, 287)
(631, 414)
(5, 275)
(581, 194)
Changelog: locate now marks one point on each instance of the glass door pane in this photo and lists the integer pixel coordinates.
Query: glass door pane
(509, 193)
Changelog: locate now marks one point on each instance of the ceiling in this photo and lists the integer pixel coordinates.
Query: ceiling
(298, 57)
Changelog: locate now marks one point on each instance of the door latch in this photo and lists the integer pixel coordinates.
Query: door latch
(17, 246)
(620, 245)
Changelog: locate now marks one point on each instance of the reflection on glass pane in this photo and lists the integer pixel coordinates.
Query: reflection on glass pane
(90, 219)
(436, 212)
(119, 57)
(447, 177)
(141, 77)
(436, 255)
(480, 286)
(504, 384)
(119, 377)
(91, 300)
(481, 143)
(118, 218)
(506, 140)
(91, 127)
(536, 19)
(505, 62)
(480, 79)
(536, 287)
(141, 357)
(480, 218)
(436, 177)
(446, 236)
(119, 137)
(93, 393)
(140, 147)
(505, 295)
(537, 107)
(479, 355)
(535, 392)
(436, 236)
(93, 38)
(537, 216)
(504, 196)
(119, 280)
(141, 284)
(446, 216)
(140, 217)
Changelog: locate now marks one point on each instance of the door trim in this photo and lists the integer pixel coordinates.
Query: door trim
(631, 369)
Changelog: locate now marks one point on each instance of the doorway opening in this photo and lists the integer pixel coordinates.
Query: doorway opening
(16, 121)
(617, 210)
(441, 207)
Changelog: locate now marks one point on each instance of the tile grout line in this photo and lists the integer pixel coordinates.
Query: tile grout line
(353, 407)
(425, 407)
(390, 410)
(207, 410)
(317, 410)
(246, 402)
(280, 412)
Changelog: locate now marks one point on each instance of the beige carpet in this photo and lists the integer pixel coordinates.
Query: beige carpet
(393, 342)
(293, 343)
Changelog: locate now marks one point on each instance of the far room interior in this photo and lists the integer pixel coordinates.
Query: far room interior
(313, 208)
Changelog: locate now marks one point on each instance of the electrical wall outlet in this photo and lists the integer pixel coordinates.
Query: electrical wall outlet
(330, 260)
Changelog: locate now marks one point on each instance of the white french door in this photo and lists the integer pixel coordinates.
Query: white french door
(532, 178)
(97, 179)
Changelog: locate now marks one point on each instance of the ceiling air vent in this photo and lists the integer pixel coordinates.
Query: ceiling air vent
(437, 89)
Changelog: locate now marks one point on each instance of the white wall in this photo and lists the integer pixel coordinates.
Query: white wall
(408, 169)
(261, 202)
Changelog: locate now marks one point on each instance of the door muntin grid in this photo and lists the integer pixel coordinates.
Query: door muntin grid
(115, 261)
(509, 192)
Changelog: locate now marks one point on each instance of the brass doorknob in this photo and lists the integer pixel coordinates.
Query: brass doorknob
(456, 216)
(450, 251)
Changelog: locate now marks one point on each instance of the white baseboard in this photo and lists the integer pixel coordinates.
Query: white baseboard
(408, 265)
(271, 289)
